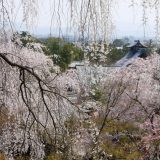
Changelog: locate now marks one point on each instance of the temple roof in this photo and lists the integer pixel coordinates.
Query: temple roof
(138, 44)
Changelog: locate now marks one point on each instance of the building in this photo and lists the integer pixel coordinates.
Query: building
(138, 48)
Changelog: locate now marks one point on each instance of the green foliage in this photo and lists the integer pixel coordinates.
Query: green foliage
(63, 52)
(121, 141)
(151, 46)
(156, 142)
(72, 124)
(118, 43)
(24, 38)
(125, 151)
(114, 126)
(97, 94)
(23, 157)
(96, 52)
(54, 157)
(116, 54)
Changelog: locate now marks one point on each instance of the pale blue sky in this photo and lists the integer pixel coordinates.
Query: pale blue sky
(127, 20)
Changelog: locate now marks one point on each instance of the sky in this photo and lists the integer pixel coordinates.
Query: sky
(127, 20)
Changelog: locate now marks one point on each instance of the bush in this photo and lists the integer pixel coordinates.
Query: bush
(62, 52)
(116, 54)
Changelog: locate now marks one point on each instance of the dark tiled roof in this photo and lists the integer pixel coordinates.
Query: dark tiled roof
(138, 45)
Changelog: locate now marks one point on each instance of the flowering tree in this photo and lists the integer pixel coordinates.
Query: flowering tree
(134, 98)
(33, 101)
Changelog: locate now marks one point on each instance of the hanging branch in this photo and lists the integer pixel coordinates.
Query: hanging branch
(42, 86)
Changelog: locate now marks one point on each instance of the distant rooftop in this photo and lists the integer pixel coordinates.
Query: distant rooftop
(76, 63)
(137, 44)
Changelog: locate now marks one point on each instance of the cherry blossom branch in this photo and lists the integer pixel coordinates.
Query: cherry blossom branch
(24, 90)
